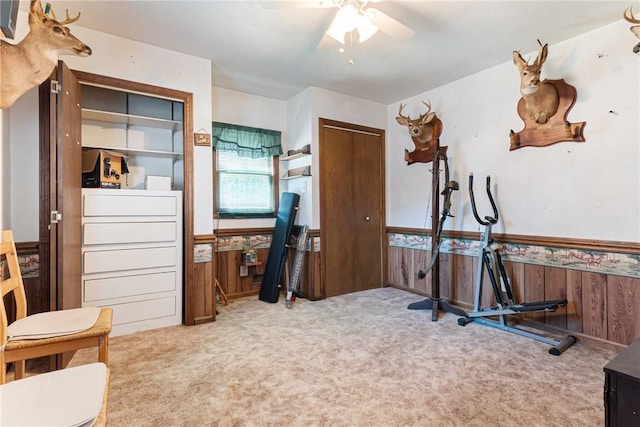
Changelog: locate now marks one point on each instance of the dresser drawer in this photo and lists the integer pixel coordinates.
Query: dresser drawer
(125, 286)
(128, 259)
(129, 205)
(128, 232)
(143, 310)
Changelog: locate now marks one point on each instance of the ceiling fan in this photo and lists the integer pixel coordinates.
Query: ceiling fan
(352, 16)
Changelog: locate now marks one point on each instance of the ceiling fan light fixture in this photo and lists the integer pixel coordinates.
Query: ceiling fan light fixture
(346, 20)
(366, 28)
(336, 33)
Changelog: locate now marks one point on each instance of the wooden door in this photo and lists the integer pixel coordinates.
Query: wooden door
(351, 207)
(67, 193)
(60, 190)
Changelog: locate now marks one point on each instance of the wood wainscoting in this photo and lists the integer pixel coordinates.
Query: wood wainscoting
(600, 279)
(228, 253)
(203, 298)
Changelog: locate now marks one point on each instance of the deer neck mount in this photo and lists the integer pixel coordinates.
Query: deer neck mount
(544, 107)
(29, 63)
(424, 132)
(541, 98)
(629, 17)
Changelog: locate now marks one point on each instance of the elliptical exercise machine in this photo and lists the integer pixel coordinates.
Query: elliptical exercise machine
(489, 257)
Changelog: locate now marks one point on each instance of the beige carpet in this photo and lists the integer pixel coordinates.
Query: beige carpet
(361, 359)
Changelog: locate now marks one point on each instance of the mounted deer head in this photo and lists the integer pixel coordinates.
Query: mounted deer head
(29, 63)
(419, 129)
(628, 16)
(541, 98)
(424, 132)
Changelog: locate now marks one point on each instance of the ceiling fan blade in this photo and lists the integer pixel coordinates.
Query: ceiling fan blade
(388, 25)
(327, 42)
(296, 4)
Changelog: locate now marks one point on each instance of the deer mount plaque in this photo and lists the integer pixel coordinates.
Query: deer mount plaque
(556, 129)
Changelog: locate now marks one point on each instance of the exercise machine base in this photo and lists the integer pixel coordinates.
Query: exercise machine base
(558, 346)
(435, 304)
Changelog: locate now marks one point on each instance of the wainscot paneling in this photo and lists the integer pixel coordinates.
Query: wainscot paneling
(229, 247)
(600, 280)
(204, 300)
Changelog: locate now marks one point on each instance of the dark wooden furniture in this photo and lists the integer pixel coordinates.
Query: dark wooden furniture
(622, 388)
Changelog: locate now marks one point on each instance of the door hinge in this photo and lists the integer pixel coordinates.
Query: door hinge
(56, 87)
(56, 217)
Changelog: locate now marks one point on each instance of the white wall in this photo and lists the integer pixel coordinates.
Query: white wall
(25, 175)
(20, 176)
(125, 59)
(588, 190)
(240, 108)
(300, 133)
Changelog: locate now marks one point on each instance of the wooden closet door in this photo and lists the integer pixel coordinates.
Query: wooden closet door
(351, 207)
(367, 184)
(60, 190)
(67, 193)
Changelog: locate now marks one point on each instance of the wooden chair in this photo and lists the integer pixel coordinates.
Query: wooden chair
(19, 350)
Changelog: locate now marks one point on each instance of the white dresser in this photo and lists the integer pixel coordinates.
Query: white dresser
(132, 256)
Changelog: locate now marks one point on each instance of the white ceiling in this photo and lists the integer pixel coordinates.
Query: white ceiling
(271, 51)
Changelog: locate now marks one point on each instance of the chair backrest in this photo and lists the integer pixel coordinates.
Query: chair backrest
(10, 281)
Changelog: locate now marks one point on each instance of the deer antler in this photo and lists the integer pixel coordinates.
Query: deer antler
(428, 104)
(69, 20)
(542, 54)
(628, 16)
(400, 112)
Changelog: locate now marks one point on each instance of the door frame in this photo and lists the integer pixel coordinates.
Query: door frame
(350, 127)
(188, 212)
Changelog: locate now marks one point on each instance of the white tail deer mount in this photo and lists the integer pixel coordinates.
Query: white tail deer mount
(541, 98)
(629, 17)
(29, 63)
(424, 132)
(420, 129)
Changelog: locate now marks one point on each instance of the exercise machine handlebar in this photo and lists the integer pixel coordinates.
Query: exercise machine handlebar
(487, 219)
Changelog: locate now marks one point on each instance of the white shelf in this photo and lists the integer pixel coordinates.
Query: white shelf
(294, 156)
(106, 116)
(286, 178)
(148, 153)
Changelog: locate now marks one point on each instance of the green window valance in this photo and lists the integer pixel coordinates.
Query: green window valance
(246, 141)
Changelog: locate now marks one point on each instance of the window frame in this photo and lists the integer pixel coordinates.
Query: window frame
(276, 193)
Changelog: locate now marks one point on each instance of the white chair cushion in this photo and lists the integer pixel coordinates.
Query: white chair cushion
(68, 397)
(53, 323)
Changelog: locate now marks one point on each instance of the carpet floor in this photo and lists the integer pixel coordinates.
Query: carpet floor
(361, 359)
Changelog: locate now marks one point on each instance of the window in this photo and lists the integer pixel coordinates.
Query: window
(246, 167)
(245, 185)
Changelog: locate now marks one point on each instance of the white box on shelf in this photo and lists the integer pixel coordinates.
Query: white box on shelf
(162, 183)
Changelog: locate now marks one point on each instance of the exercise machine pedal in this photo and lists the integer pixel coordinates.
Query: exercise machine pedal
(552, 305)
